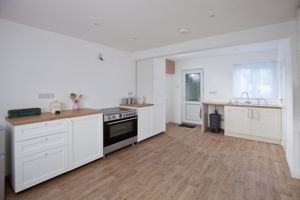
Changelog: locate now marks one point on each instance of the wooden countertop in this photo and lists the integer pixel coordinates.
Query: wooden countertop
(241, 105)
(254, 105)
(49, 116)
(217, 103)
(137, 105)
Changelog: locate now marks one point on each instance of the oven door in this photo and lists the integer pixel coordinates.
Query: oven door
(119, 130)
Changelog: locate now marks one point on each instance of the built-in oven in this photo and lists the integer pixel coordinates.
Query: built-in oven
(119, 129)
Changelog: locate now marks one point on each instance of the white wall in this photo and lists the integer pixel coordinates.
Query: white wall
(217, 77)
(34, 61)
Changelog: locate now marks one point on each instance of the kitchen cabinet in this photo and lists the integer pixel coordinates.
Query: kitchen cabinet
(87, 139)
(159, 118)
(37, 152)
(151, 120)
(145, 123)
(262, 124)
(267, 123)
(40, 151)
(151, 80)
(39, 167)
(151, 83)
(237, 120)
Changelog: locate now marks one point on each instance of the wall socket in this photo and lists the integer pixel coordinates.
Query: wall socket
(46, 95)
(212, 92)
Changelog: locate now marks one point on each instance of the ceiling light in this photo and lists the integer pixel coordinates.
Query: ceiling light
(212, 16)
(183, 30)
(134, 38)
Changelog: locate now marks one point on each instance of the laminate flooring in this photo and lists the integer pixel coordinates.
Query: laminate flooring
(181, 164)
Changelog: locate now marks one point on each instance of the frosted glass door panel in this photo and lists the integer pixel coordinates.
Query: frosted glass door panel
(192, 87)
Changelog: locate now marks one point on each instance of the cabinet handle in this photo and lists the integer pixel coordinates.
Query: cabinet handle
(46, 154)
(257, 115)
(249, 117)
(46, 139)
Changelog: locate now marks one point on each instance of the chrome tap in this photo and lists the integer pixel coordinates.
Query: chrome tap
(247, 101)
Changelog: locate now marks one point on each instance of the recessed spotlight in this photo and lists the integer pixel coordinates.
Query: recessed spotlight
(97, 24)
(134, 38)
(212, 16)
(183, 30)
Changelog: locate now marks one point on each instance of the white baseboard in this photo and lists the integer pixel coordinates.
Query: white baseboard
(292, 173)
(250, 137)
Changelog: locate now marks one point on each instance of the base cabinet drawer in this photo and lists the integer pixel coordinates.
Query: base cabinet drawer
(37, 145)
(36, 130)
(37, 168)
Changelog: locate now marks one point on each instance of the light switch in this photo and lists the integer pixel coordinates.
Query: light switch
(46, 95)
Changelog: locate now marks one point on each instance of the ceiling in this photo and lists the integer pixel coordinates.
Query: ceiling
(242, 49)
(134, 25)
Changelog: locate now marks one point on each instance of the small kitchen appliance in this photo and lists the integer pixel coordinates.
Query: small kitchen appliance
(119, 128)
(55, 107)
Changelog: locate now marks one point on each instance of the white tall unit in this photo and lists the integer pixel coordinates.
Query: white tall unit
(151, 83)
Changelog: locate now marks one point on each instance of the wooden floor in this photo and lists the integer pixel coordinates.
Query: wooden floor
(180, 164)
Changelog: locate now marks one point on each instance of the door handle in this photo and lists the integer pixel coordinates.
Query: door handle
(257, 115)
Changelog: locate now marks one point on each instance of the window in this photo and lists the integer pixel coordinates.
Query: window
(260, 80)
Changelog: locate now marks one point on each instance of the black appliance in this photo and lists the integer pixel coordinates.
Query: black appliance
(119, 128)
(215, 122)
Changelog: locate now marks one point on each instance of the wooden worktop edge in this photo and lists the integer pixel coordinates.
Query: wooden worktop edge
(16, 121)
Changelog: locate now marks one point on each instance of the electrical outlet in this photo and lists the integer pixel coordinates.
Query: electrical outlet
(46, 95)
(212, 92)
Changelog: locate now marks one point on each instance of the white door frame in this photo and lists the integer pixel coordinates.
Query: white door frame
(183, 102)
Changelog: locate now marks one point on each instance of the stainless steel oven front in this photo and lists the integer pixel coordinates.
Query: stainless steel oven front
(119, 133)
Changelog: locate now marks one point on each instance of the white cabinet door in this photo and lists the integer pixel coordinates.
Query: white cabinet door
(145, 79)
(267, 123)
(145, 123)
(39, 167)
(237, 120)
(87, 139)
(159, 118)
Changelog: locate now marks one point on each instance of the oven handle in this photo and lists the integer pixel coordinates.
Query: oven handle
(125, 120)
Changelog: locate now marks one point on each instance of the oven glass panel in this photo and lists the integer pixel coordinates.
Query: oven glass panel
(117, 130)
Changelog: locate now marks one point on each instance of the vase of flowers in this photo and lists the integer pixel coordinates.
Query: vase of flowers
(76, 100)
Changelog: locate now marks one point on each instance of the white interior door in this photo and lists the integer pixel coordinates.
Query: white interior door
(192, 96)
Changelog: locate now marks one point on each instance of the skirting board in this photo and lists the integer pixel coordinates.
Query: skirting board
(296, 176)
(249, 137)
